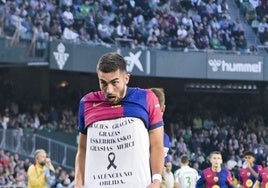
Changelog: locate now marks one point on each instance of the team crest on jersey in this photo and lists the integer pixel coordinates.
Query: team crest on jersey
(249, 183)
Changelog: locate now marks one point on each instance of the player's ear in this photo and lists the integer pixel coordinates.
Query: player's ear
(127, 77)
(163, 108)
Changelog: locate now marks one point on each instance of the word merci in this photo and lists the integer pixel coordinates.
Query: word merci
(111, 141)
(110, 137)
(112, 178)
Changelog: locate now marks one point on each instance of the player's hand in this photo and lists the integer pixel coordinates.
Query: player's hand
(250, 164)
(155, 184)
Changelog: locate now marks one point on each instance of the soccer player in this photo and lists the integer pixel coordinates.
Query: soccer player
(167, 175)
(262, 181)
(186, 176)
(248, 174)
(215, 176)
(161, 97)
(120, 132)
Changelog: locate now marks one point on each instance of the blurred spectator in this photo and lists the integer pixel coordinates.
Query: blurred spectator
(67, 17)
(105, 31)
(53, 116)
(231, 163)
(181, 36)
(89, 23)
(152, 40)
(241, 44)
(38, 173)
(228, 40)
(215, 43)
(85, 8)
(63, 179)
(262, 30)
(181, 146)
(208, 122)
(211, 8)
(28, 24)
(215, 23)
(187, 22)
(55, 31)
(41, 36)
(197, 122)
(69, 34)
(121, 30)
(84, 36)
(167, 175)
(6, 119)
(163, 39)
(261, 9)
(65, 3)
(223, 9)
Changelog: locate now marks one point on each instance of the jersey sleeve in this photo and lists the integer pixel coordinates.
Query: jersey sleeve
(81, 117)
(200, 182)
(155, 114)
(176, 176)
(259, 177)
(230, 179)
(259, 169)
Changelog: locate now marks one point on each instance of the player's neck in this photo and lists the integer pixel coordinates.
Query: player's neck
(216, 169)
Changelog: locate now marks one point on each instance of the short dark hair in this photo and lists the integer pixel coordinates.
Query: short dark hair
(184, 159)
(160, 95)
(248, 153)
(111, 62)
(214, 153)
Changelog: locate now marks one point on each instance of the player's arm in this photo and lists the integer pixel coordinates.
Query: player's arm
(229, 180)
(253, 172)
(80, 161)
(156, 151)
(201, 181)
(257, 184)
(239, 179)
(176, 179)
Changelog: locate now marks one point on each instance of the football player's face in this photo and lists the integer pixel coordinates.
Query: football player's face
(249, 159)
(113, 85)
(216, 160)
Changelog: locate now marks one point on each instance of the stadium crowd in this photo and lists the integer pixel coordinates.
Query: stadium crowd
(13, 166)
(13, 172)
(256, 13)
(162, 24)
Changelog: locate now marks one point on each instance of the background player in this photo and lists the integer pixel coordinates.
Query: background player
(262, 181)
(215, 176)
(248, 174)
(186, 176)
